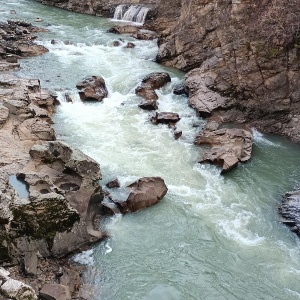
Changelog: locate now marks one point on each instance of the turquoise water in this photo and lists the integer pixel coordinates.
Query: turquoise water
(212, 236)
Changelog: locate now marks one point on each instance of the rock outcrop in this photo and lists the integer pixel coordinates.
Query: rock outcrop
(25, 118)
(228, 147)
(290, 211)
(16, 41)
(49, 192)
(57, 214)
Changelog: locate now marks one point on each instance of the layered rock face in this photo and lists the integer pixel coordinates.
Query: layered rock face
(221, 44)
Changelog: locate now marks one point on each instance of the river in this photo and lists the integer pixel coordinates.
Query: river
(212, 237)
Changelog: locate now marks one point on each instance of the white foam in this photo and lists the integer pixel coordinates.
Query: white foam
(108, 249)
(259, 138)
(85, 257)
(236, 229)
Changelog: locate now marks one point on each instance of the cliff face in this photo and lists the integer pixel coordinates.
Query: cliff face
(248, 52)
(228, 47)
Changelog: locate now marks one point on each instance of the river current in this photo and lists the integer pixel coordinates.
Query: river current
(212, 237)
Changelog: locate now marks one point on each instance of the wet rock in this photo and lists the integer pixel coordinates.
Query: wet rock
(156, 80)
(113, 184)
(110, 207)
(147, 93)
(229, 146)
(17, 290)
(92, 88)
(180, 90)
(38, 20)
(148, 104)
(177, 134)
(130, 45)
(150, 83)
(126, 29)
(68, 98)
(55, 292)
(116, 43)
(290, 211)
(144, 193)
(165, 118)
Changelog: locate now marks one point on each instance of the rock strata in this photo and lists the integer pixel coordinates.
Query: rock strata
(290, 211)
(17, 40)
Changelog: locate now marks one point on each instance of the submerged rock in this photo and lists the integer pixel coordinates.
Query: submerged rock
(148, 104)
(113, 184)
(92, 88)
(228, 147)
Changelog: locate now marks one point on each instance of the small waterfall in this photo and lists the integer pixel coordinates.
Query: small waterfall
(133, 13)
(119, 12)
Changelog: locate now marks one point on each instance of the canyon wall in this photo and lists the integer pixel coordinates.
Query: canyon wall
(238, 49)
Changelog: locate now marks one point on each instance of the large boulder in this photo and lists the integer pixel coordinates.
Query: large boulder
(148, 104)
(149, 84)
(228, 147)
(143, 193)
(92, 88)
(290, 210)
(156, 80)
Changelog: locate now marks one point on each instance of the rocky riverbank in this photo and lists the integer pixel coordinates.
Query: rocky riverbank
(51, 200)
(50, 193)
